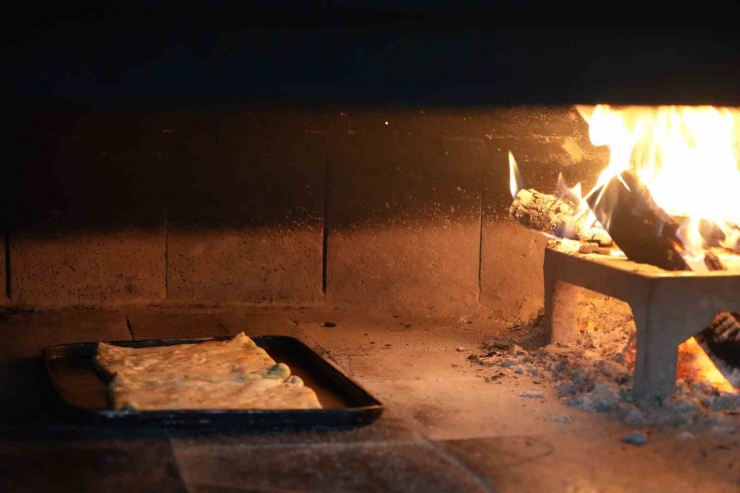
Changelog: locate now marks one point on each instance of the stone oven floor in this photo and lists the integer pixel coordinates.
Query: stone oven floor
(445, 428)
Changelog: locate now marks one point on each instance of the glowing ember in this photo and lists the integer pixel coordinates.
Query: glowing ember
(695, 366)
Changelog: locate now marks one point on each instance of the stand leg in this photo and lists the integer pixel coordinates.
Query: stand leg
(560, 311)
(657, 358)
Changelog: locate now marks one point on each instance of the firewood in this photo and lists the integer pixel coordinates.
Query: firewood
(641, 229)
(539, 211)
(593, 248)
(711, 233)
(713, 262)
(597, 236)
(726, 327)
(554, 216)
(722, 338)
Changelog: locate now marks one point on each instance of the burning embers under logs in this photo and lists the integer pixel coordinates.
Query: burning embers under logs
(657, 201)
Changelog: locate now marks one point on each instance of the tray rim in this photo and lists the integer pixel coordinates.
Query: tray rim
(188, 416)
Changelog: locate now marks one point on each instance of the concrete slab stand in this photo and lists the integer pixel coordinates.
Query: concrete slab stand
(668, 307)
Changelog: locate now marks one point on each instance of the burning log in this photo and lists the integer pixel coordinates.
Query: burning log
(712, 234)
(646, 233)
(726, 327)
(541, 212)
(641, 229)
(554, 216)
(713, 262)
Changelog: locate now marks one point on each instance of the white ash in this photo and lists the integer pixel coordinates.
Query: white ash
(595, 374)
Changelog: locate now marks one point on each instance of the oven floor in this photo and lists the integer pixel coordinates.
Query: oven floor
(444, 429)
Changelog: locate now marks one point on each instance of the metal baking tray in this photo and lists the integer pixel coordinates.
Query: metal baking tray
(83, 389)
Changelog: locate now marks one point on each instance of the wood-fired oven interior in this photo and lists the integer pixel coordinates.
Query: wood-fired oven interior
(365, 209)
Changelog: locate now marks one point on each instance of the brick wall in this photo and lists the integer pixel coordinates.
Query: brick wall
(391, 209)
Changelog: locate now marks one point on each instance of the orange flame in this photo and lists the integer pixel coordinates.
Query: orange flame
(694, 365)
(515, 178)
(575, 195)
(686, 156)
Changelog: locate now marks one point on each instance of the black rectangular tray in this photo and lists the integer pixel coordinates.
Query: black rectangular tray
(83, 390)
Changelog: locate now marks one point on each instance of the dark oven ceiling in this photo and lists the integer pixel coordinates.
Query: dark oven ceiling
(403, 53)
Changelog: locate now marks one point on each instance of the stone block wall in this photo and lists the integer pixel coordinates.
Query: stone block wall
(396, 209)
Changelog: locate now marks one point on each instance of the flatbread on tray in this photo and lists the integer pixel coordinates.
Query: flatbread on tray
(234, 374)
(207, 360)
(228, 395)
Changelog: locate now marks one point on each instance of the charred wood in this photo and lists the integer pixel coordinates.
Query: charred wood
(712, 234)
(641, 229)
(713, 262)
(541, 212)
(726, 327)
(722, 338)
(594, 248)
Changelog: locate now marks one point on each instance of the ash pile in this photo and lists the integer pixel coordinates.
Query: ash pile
(595, 374)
